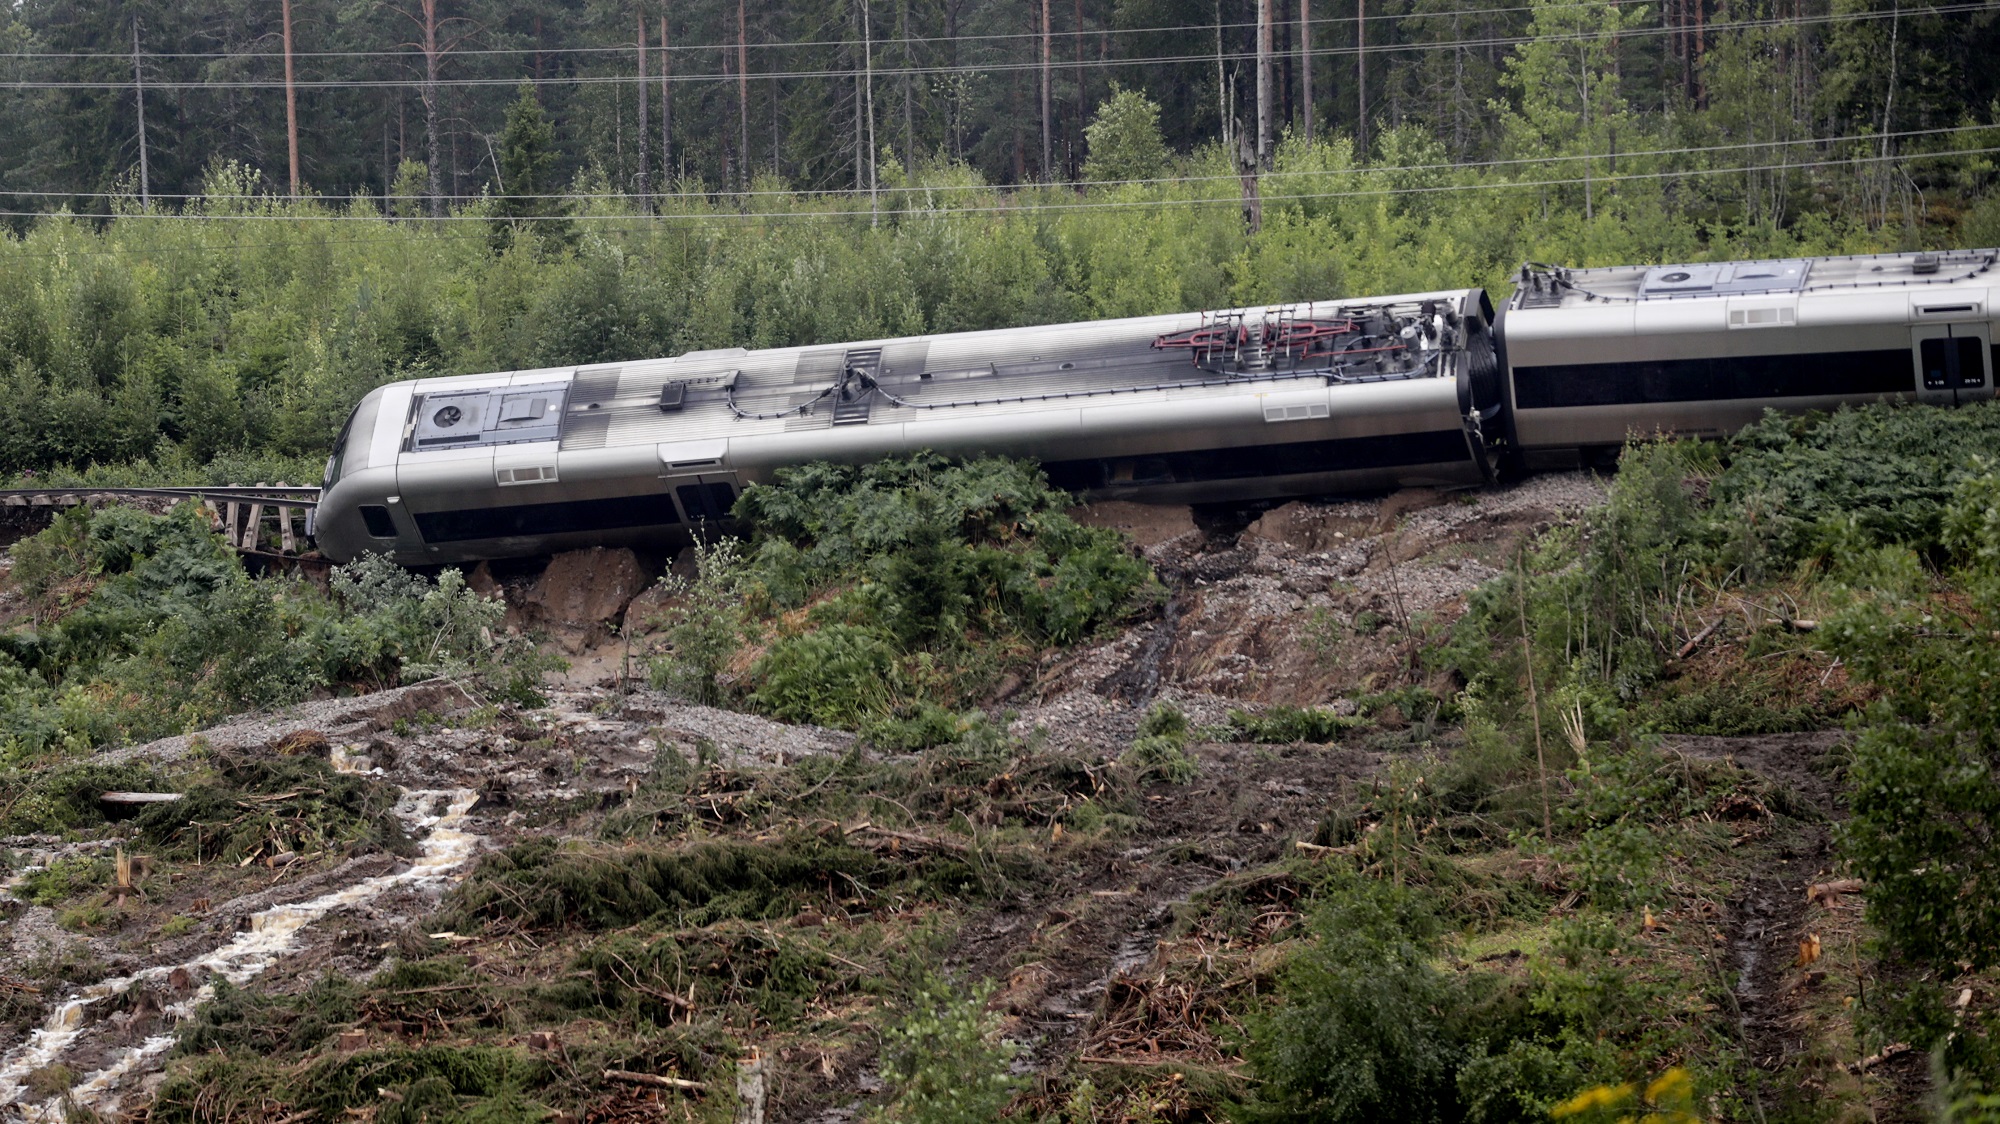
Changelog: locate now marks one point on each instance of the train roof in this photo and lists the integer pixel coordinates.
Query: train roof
(988, 374)
(1546, 286)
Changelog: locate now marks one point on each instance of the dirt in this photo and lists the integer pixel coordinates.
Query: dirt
(1304, 604)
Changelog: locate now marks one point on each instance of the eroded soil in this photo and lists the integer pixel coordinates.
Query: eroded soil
(1111, 954)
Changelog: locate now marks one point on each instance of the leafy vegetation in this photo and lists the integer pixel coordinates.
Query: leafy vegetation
(1857, 550)
(888, 597)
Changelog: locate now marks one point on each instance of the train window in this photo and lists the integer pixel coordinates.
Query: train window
(1937, 365)
(1971, 360)
(562, 518)
(706, 503)
(376, 518)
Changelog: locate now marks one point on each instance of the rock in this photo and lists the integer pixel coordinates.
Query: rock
(1149, 525)
(643, 614)
(1311, 528)
(582, 592)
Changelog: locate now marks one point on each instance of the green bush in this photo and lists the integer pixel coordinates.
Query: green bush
(944, 1062)
(704, 623)
(1363, 1031)
(1285, 725)
(840, 675)
(1161, 748)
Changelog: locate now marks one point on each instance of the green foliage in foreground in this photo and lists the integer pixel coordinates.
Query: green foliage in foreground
(920, 580)
(944, 1061)
(1884, 523)
(1926, 768)
(147, 625)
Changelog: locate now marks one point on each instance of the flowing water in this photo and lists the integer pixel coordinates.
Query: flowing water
(270, 936)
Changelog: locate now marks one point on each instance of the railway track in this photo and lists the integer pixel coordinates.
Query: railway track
(264, 520)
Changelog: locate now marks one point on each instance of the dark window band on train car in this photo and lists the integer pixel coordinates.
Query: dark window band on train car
(1703, 380)
(1298, 458)
(569, 517)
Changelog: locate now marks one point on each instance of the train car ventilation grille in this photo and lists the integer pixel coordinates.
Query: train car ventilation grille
(1302, 412)
(530, 474)
(1763, 317)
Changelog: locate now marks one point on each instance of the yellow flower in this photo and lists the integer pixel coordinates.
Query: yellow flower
(1603, 1096)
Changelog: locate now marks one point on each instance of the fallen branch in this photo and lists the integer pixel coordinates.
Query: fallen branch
(1688, 648)
(912, 838)
(134, 798)
(655, 1080)
(1827, 893)
(1892, 1050)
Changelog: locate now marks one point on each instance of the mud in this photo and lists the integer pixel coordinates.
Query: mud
(1303, 604)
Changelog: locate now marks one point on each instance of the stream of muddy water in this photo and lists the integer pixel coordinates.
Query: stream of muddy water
(437, 815)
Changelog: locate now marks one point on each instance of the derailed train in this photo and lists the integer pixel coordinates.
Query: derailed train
(1300, 399)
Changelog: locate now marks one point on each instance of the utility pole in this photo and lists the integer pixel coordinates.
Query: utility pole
(667, 109)
(743, 90)
(1047, 175)
(1264, 91)
(645, 96)
(1083, 97)
(1306, 65)
(1222, 106)
(868, 69)
(291, 100)
(1361, 79)
(139, 88)
(432, 53)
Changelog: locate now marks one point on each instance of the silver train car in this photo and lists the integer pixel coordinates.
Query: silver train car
(1303, 399)
(1595, 355)
(1296, 399)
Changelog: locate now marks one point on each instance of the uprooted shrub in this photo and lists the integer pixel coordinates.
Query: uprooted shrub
(546, 883)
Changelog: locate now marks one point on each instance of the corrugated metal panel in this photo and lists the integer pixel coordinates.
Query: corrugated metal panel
(905, 357)
(821, 366)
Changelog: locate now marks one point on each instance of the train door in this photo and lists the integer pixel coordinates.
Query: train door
(705, 499)
(1953, 362)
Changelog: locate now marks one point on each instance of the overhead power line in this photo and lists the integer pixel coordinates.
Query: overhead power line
(882, 73)
(1231, 177)
(1017, 207)
(626, 49)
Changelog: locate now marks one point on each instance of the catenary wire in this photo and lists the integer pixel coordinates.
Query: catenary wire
(1698, 150)
(1047, 208)
(884, 73)
(414, 54)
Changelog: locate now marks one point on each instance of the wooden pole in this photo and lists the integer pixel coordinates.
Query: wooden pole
(1306, 67)
(1361, 78)
(139, 89)
(1046, 122)
(291, 100)
(743, 89)
(645, 127)
(1264, 91)
(667, 109)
